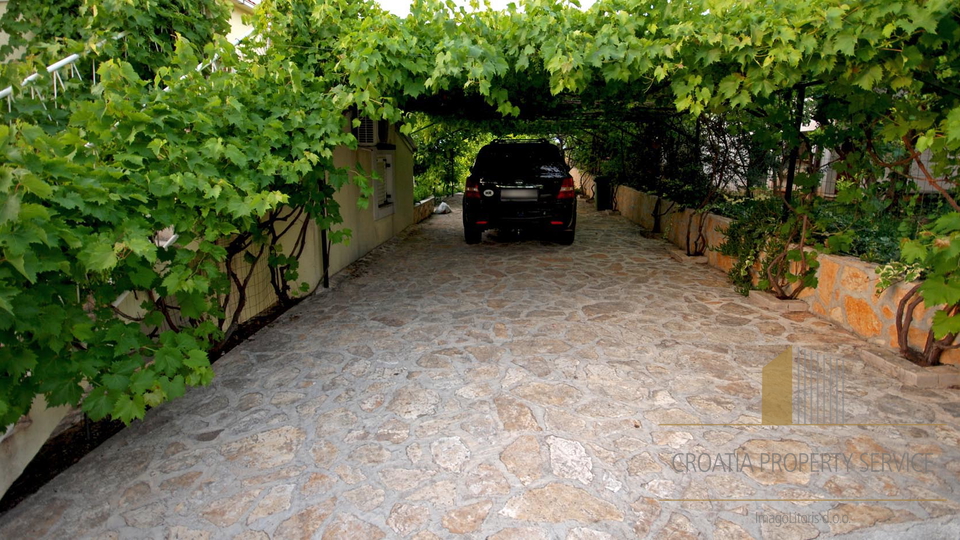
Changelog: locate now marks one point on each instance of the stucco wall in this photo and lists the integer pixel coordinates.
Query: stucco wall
(4, 39)
(366, 231)
(22, 443)
(845, 294)
(19, 445)
(238, 28)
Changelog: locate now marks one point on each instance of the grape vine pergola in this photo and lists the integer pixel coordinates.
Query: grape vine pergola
(874, 72)
(258, 135)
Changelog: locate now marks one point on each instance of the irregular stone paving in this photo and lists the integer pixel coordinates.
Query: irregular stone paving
(513, 389)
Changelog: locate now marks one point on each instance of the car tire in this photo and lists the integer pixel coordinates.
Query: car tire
(472, 236)
(566, 237)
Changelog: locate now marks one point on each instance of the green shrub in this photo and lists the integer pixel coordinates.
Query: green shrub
(934, 258)
(421, 191)
(755, 224)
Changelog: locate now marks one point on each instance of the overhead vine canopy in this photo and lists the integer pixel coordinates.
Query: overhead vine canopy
(877, 71)
(215, 154)
(898, 58)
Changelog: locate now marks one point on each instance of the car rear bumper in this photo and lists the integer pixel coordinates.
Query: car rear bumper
(557, 216)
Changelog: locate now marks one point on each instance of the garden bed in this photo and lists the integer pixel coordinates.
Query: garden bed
(845, 295)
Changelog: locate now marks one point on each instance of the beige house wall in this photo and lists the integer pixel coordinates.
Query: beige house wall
(238, 28)
(21, 443)
(584, 182)
(4, 39)
(366, 231)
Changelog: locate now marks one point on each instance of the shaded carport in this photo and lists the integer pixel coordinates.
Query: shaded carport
(516, 390)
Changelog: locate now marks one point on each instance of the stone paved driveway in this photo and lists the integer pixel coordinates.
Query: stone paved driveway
(513, 389)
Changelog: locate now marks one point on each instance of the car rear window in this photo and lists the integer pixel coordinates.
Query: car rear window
(518, 156)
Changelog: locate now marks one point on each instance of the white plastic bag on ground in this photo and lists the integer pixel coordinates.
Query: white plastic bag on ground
(442, 208)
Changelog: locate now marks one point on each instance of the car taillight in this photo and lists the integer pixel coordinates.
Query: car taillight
(472, 190)
(567, 190)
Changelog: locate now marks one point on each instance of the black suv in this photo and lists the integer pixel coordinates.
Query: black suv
(518, 184)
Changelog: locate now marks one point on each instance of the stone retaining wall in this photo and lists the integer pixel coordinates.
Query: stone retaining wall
(845, 293)
(423, 209)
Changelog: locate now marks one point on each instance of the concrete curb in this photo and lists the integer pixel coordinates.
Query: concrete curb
(909, 373)
(681, 256)
(768, 301)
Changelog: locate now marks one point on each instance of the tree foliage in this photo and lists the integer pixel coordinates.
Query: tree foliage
(934, 256)
(227, 158)
(47, 30)
(445, 153)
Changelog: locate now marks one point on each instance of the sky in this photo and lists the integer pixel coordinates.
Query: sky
(402, 7)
